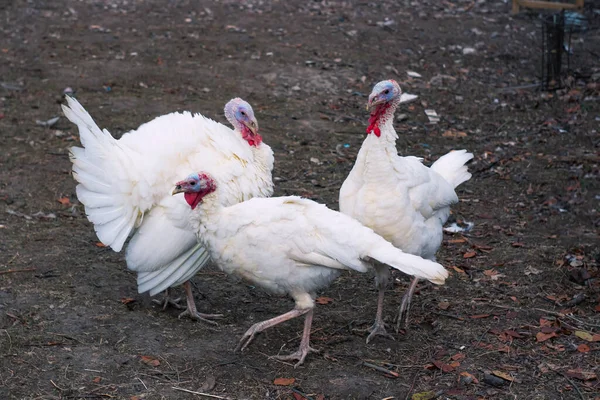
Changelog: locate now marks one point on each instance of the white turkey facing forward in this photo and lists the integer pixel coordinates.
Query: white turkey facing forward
(398, 197)
(289, 245)
(125, 186)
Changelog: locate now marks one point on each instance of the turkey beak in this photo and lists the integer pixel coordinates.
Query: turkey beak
(374, 100)
(179, 188)
(253, 126)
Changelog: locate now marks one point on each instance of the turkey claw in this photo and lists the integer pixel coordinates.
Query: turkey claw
(378, 329)
(299, 355)
(197, 316)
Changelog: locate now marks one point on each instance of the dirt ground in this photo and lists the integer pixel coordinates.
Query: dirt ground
(520, 315)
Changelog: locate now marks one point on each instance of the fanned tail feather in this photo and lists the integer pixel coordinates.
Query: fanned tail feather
(409, 264)
(102, 169)
(452, 167)
(180, 270)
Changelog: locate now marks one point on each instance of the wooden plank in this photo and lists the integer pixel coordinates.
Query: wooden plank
(545, 4)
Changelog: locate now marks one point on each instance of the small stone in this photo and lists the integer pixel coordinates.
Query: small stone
(401, 117)
(296, 88)
(469, 50)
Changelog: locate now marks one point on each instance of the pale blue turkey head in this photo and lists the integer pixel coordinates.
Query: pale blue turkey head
(384, 92)
(241, 115)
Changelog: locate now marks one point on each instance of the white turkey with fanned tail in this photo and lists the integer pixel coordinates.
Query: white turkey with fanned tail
(125, 186)
(398, 197)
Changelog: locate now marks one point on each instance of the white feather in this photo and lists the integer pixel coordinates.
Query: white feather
(128, 181)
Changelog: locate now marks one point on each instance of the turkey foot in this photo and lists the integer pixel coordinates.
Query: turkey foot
(168, 301)
(261, 326)
(402, 322)
(304, 348)
(378, 328)
(191, 310)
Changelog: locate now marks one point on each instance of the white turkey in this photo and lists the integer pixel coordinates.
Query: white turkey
(289, 245)
(125, 186)
(398, 197)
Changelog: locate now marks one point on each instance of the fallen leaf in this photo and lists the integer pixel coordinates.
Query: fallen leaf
(470, 378)
(503, 375)
(445, 367)
(453, 133)
(518, 244)
(583, 348)
(456, 241)
(458, 357)
(588, 336)
(479, 316)
(469, 254)
(323, 300)
(96, 379)
(542, 337)
(597, 308)
(150, 361)
(100, 244)
(545, 322)
(284, 381)
(459, 270)
(298, 396)
(64, 201)
(530, 270)
(423, 396)
(581, 375)
(444, 305)
(514, 334)
(127, 300)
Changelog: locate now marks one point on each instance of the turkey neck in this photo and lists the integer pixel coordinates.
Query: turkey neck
(376, 151)
(206, 216)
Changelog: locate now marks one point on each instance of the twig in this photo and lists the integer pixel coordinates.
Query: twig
(56, 386)
(198, 393)
(572, 383)
(10, 271)
(138, 378)
(307, 397)
(392, 374)
(449, 315)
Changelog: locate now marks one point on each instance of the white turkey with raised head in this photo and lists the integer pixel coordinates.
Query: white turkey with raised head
(289, 245)
(125, 186)
(398, 197)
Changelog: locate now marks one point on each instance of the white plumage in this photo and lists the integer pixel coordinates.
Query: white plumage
(125, 185)
(398, 197)
(289, 245)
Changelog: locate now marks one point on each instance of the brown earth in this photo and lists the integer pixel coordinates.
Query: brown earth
(523, 297)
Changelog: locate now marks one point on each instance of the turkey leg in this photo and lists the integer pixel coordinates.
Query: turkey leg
(405, 306)
(378, 328)
(191, 310)
(261, 326)
(304, 348)
(168, 301)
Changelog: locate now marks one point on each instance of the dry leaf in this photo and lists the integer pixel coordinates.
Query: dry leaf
(444, 305)
(100, 244)
(518, 244)
(583, 348)
(127, 300)
(446, 367)
(459, 270)
(597, 308)
(542, 337)
(469, 376)
(458, 357)
(479, 316)
(588, 336)
(455, 241)
(581, 375)
(64, 201)
(503, 375)
(150, 361)
(96, 379)
(453, 133)
(470, 254)
(424, 396)
(323, 300)
(284, 381)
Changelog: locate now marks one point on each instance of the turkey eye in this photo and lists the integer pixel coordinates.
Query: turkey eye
(243, 113)
(193, 183)
(386, 91)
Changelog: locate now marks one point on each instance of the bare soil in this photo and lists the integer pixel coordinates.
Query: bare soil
(518, 317)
